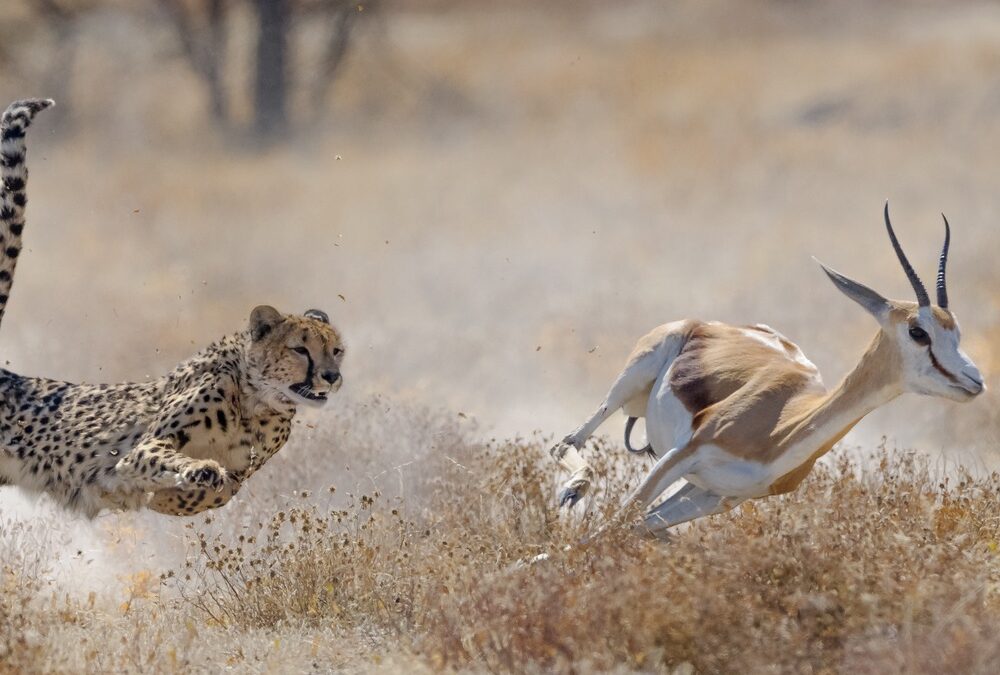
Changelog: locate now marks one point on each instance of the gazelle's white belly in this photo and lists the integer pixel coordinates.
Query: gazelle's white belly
(725, 474)
(668, 426)
(668, 421)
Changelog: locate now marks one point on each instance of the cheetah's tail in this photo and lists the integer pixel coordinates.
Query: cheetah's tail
(14, 174)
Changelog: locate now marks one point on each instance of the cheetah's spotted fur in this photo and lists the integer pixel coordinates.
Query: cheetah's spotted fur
(179, 445)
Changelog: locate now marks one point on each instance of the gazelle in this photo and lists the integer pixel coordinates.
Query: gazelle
(738, 412)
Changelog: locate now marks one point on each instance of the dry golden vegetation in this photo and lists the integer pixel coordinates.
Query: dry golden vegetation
(877, 565)
(870, 571)
(502, 199)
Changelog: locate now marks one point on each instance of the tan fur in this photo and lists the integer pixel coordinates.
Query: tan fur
(754, 402)
(647, 345)
(722, 375)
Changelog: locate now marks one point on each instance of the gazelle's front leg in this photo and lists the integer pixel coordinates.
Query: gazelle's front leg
(673, 466)
(686, 504)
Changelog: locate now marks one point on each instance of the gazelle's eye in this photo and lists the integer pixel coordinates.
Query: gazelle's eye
(919, 335)
(301, 350)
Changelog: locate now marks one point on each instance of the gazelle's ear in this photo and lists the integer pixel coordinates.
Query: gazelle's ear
(873, 303)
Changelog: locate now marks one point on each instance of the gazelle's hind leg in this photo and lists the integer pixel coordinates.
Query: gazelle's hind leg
(686, 504)
(633, 383)
(651, 357)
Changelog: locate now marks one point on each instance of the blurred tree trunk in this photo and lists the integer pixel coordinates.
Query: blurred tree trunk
(213, 75)
(202, 27)
(205, 49)
(271, 78)
(58, 79)
(341, 22)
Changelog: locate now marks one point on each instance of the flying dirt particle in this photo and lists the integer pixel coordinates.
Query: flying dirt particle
(463, 415)
(386, 241)
(538, 348)
(135, 210)
(338, 158)
(341, 297)
(592, 349)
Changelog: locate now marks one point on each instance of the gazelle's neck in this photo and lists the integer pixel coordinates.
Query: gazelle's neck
(874, 382)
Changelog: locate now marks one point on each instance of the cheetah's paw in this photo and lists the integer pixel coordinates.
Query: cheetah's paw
(207, 474)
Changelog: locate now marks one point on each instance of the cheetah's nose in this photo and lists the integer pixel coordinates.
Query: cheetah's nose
(331, 376)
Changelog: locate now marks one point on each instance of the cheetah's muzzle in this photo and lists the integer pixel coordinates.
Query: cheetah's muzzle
(307, 393)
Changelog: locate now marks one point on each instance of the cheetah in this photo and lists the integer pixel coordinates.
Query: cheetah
(178, 445)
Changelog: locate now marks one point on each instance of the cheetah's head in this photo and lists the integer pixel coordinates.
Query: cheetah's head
(295, 359)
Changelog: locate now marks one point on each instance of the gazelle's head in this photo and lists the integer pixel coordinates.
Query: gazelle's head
(925, 336)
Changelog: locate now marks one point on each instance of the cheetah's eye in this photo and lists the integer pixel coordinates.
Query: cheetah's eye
(301, 350)
(337, 351)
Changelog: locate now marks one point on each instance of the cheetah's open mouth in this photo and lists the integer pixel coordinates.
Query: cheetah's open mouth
(307, 393)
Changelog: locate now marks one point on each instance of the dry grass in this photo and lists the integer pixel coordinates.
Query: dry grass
(879, 563)
(887, 568)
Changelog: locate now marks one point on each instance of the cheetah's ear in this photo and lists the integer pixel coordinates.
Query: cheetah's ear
(263, 319)
(317, 314)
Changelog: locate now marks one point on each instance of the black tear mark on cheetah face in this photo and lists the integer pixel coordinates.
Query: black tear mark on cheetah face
(296, 356)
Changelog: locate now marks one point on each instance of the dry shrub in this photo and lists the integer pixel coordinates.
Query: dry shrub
(379, 562)
(23, 567)
(885, 568)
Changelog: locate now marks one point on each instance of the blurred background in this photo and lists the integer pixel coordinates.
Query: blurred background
(495, 200)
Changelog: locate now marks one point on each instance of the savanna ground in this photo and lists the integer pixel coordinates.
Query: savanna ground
(501, 201)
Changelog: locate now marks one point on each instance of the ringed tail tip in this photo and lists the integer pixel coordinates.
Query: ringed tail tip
(25, 109)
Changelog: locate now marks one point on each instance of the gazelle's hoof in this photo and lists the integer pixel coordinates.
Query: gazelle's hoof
(568, 498)
(575, 490)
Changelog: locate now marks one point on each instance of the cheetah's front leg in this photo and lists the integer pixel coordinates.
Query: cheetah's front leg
(179, 502)
(155, 464)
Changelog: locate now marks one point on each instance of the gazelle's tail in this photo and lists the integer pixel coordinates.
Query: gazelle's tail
(13, 182)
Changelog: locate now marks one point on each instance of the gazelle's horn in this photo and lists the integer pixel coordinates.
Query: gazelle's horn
(942, 286)
(918, 286)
